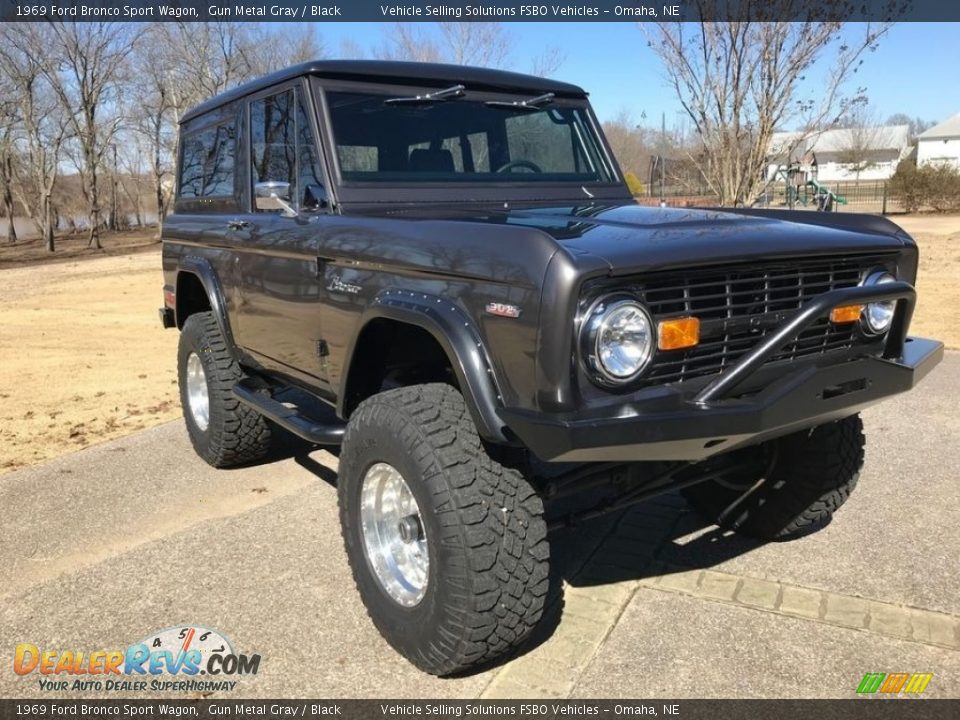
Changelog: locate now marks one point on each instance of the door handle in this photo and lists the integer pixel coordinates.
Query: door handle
(238, 224)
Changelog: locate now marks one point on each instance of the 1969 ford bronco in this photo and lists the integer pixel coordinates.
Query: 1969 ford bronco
(440, 270)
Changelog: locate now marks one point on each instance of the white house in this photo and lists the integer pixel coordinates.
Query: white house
(844, 154)
(941, 143)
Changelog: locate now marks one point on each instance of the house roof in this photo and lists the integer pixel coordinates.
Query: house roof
(401, 73)
(947, 129)
(885, 139)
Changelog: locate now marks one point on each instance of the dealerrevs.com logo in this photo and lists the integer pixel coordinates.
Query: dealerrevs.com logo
(169, 660)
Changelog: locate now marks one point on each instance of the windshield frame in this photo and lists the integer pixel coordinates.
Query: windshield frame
(510, 190)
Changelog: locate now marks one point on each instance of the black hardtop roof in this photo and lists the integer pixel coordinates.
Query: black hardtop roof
(401, 73)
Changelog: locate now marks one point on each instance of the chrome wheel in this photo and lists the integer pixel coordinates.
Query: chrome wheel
(198, 395)
(393, 536)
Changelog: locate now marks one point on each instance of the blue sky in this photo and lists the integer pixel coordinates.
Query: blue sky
(914, 71)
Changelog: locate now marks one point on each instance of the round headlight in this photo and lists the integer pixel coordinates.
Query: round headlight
(619, 339)
(878, 316)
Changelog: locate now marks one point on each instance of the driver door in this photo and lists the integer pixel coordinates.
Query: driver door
(279, 312)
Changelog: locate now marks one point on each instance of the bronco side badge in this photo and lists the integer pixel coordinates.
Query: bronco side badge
(338, 285)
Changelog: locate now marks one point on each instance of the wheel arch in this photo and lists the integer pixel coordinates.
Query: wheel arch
(199, 289)
(454, 334)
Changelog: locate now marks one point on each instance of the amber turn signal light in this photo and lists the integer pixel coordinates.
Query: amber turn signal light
(678, 333)
(846, 314)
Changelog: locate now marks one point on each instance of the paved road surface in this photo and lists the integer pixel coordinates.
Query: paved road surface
(110, 543)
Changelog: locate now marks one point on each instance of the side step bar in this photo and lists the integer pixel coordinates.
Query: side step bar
(247, 392)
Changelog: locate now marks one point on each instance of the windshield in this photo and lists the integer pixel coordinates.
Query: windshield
(383, 138)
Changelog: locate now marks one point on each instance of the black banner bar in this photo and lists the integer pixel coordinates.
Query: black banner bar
(854, 709)
(478, 10)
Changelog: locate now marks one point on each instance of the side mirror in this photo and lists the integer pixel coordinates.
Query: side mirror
(273, 195)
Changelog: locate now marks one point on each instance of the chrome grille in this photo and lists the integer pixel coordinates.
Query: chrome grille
(738, 305)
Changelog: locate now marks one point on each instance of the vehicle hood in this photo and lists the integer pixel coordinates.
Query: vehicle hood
(631, 238)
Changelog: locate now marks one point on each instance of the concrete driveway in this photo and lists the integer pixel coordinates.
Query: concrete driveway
(108, 544)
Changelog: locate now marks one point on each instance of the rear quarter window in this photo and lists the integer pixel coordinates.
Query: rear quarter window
(208, 163)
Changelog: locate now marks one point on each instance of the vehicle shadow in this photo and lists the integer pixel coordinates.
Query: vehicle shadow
(660, 536)
(657, 537)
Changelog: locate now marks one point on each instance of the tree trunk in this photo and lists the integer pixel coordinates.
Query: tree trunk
(8, 210)
(48, 235)
(94, 238)
(8, 205)
(158, 188)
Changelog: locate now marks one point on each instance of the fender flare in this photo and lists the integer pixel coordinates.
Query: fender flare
(203, 270)
(458, 337)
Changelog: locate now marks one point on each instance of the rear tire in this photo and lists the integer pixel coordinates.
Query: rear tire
(798, 482)
(477, 588)
(223, 431)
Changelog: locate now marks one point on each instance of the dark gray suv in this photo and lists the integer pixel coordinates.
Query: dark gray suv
(440, 270)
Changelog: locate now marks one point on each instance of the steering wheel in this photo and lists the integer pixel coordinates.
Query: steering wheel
(531, 166)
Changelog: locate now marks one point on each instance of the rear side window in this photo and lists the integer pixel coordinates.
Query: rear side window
(207, 169)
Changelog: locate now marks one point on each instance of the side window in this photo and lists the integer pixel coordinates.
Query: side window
(273, 144)
(310, 181)
(359, 158)
(282, 146)
(207, 168)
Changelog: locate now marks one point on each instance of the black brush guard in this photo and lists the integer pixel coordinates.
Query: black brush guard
(692, 425)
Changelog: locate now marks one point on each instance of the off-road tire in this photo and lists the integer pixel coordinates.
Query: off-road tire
(236, 434)
(487, 539)
(811, 474)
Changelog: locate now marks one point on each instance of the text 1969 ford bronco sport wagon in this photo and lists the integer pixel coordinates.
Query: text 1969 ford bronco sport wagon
(440, 270)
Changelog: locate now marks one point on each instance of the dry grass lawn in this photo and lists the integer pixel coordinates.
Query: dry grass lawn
(938, 281)
(83, 357)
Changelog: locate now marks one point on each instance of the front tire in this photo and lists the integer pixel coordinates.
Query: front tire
(796, 485)
(453, 567)
(223, 431)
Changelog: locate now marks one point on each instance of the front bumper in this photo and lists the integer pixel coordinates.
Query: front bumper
(678, 428)
(732, 411)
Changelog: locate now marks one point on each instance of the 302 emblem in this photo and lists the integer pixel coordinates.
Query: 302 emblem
(503, 310)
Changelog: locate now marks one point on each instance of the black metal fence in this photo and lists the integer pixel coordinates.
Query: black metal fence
(868, 196)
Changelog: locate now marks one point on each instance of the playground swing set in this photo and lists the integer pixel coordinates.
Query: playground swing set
(798, 192)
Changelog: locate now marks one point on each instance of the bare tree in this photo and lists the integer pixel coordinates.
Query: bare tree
(916, 124)
(131, 175)
(44, 125)
(350, 48)
(157, 100)
(85, 64)
(486, 44)
(271, 50)
(476, 43)
(409, 41)
(8, 128)
(739, 81)
(198, 60)
(861, 136)
(548, 62)
(629, 143)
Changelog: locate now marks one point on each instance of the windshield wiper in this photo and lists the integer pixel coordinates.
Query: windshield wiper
(446, 94)
(532, 104)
